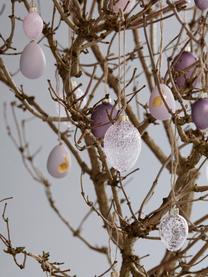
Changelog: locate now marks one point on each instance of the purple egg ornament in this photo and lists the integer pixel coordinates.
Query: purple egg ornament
(101, 119)
(124, 5)
(201, 4)
(156, 105)
(182, 66)
(33, 24)
(58, 163)
(32, 61)
(199, 113)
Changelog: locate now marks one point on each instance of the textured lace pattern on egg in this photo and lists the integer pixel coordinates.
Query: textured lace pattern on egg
(122, 145)
(173, 231)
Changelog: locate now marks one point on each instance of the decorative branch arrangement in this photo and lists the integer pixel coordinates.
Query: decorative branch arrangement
(112, 132)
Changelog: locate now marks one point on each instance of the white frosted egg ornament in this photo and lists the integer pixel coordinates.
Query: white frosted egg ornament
(173, 230)
(122, 145)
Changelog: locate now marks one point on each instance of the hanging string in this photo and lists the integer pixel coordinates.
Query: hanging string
(124, 68)
(106, 78)
(173, 168)
(59, 105)
(119, 67)
(39, 7)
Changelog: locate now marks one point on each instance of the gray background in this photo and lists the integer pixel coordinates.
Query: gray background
(33, 223)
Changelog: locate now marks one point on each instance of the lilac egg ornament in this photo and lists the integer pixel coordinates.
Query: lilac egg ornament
(124, 5)
(33, 24)
(58, 163)
(157, 107)
(199, 113)
(184, 67)
(201, 4)
(32, 61)
(101, 119)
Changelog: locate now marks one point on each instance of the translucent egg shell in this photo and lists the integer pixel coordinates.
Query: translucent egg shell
(182, 66)
(78, 93)
(101, 118)
(156, 105)
(124, 5)
(33, 25)
(201, 4)
(58, 163)
(173, 231)
(32, 61)
(122, 145)
(199, 113)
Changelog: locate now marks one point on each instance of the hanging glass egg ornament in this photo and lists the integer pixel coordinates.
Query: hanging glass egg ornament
(124, 6)
(59, 161)
(102, 117)
(157, 107)
(201, 4)
(173, 230)
(32, 61)
(33, 24)
(122, 145)
(79, 93)
(183, 70)
(199, 113)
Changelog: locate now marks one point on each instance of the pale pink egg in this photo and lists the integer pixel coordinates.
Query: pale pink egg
(33, 25)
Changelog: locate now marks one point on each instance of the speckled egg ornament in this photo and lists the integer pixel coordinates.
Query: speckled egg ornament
(182, 66)
(199, 113)
(59, 161)
(33, 24)
(156, 105)
(122, 145)
(101, 118)
(201, 4)
(173, 230)
(32, 61)
(122, 5)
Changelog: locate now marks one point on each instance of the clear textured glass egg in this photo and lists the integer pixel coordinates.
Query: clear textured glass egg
(173, 230)
(122, 145)
(79, 93)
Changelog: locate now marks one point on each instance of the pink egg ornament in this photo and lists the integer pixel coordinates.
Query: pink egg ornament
(199, 113)
(32, 61)
(121, 5)
(201, 4)
(59, 161)
(156, 105)
(33, 24)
